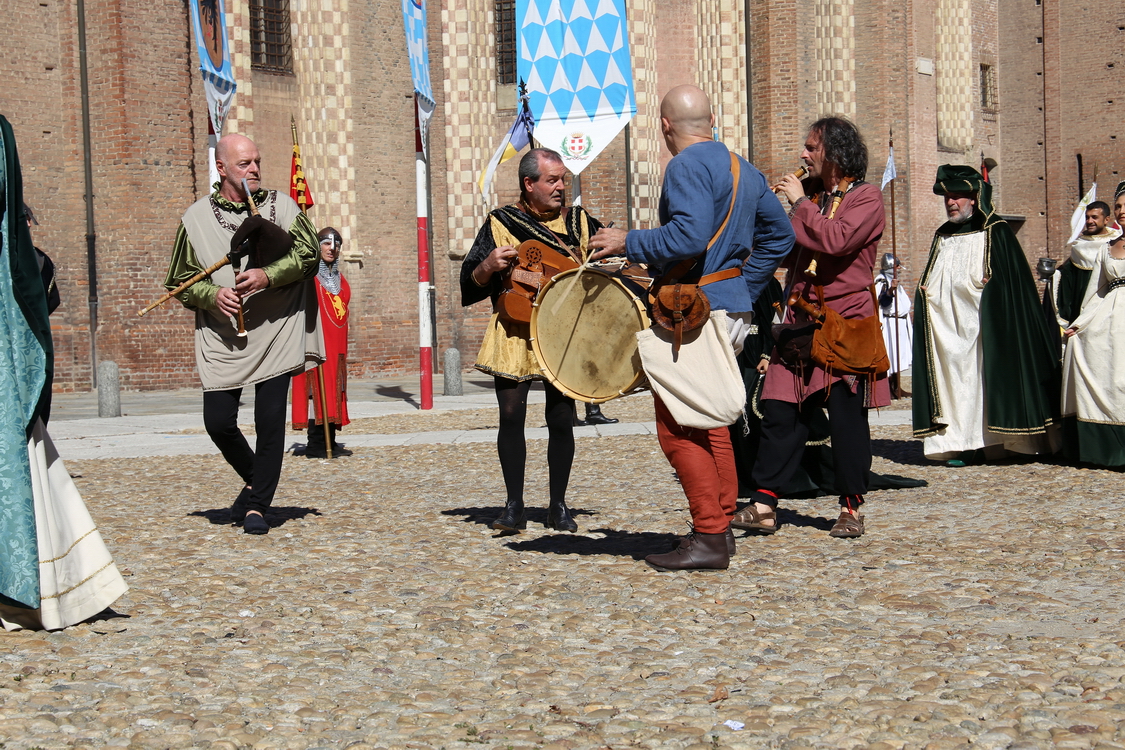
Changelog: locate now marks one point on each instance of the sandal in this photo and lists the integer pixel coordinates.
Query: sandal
(750, 518)
(847, 526)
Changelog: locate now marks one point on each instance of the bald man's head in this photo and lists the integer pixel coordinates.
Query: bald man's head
(236, 158)
(688, 109)
(227, 142)
(685, 118)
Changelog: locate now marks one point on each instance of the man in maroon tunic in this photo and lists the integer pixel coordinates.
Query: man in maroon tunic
(333, 297)
(845, 248)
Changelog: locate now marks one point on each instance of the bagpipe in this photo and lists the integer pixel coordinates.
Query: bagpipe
(256, 240)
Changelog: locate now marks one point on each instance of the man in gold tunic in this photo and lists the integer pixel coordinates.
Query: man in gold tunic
(506, 352)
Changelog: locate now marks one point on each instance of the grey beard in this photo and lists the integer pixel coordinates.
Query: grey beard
(961, 218)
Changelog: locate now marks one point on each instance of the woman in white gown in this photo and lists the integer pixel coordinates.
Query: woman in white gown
(55, 570)
(1093, 393)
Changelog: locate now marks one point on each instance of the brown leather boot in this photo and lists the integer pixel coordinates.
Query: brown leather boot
(697, 551)
(686, 539)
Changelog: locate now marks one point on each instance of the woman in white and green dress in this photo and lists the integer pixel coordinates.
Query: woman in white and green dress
(55, 570)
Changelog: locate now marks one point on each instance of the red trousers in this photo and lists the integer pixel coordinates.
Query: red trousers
(704, 461)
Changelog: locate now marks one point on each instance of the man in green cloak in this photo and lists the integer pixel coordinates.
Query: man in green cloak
(986, 376)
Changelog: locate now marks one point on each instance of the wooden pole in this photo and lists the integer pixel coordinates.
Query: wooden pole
(894, 270)
(324, 408)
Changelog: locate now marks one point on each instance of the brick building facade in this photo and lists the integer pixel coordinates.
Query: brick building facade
(954, 80)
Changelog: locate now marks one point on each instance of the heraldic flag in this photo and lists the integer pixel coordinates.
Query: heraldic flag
(513, 142)
(209, 24)
(298, 188)
(574, 55)
(417, 49)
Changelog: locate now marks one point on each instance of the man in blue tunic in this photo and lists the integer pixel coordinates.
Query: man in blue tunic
(694, 202)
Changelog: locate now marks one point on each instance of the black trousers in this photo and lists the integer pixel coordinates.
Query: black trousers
(260, 468)
(785, 428)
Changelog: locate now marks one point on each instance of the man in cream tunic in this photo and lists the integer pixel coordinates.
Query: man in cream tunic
(1073, 276)
(986, 375)
(279, 309)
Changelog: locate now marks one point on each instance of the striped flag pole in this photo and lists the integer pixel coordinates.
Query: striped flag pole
(425, 285)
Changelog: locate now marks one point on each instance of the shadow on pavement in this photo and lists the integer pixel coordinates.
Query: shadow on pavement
(619, 543)
(396, 392)
(482, 516)
(275, 516)
(787, 517)
(908, 452)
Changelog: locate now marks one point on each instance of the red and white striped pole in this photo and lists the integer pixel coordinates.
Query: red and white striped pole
(425, 314)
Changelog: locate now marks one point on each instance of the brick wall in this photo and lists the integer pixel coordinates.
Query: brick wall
(351, 95)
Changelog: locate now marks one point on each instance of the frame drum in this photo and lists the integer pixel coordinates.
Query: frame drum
(588, 347)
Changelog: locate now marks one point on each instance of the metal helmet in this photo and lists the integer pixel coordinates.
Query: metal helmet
(887, 263)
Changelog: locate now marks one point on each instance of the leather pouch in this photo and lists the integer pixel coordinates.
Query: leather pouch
(679, 308)
(794, 341)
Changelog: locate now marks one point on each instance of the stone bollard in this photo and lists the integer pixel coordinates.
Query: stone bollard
(109, 390)
(452, 373)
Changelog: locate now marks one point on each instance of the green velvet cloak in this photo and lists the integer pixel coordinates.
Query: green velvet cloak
(1022, 371)
(1072, 288)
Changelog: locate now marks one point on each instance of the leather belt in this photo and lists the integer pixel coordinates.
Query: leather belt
(711, 278)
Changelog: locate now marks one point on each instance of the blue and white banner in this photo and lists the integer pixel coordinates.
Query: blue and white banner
(574, 57)
(209, 23)
(418, 49)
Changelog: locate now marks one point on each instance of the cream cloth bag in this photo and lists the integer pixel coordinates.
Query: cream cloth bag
(701, 386)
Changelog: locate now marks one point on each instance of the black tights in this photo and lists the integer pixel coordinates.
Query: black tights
(261, 468)
(512, 446)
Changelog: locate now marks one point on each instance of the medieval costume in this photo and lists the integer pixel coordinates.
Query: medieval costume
(987, 374)
(55, 570)
(696, 203)
(506, 350)
(793, 396)
(333, 294)
(894, 315)
(1093, 386)
(506, 354)
(816, 474)
(282, 334)
(1073, 276)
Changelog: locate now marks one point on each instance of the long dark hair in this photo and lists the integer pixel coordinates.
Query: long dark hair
(843, 145)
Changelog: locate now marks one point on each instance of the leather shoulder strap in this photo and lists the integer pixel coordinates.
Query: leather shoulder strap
(735, 170)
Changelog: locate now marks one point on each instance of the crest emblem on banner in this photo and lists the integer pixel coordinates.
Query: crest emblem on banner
(574, 56)
(577, 146)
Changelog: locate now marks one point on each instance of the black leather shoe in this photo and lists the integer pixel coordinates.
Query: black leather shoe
(594, 415)
(238, 509)
(514, 518)
(559, 518)
(255, 524)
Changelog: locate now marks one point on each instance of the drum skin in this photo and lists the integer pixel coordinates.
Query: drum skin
(587, 347)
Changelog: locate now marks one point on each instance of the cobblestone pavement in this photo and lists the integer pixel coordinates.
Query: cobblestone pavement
(984, 610)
